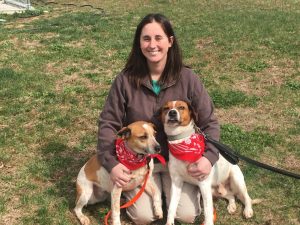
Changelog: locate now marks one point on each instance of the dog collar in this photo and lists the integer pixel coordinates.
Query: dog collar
(132, 160)
(190, 149)
(183, 135)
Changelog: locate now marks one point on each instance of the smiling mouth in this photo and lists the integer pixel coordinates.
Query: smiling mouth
(153, 52)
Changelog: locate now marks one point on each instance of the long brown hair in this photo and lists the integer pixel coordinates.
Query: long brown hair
(136, 67)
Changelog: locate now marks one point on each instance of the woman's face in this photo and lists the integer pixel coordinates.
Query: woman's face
(155, 43)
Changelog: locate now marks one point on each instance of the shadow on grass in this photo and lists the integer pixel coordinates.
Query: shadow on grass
(61, 166)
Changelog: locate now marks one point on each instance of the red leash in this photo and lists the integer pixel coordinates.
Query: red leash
(132, 201)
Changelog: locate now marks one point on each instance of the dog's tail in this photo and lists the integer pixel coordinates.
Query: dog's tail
(256, 201)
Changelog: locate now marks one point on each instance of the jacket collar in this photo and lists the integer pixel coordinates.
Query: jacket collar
(146, 82)
(183, 135)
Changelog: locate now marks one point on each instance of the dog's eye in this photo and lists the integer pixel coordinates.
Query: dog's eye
(181, 107)
(165, 109)
(144, 137)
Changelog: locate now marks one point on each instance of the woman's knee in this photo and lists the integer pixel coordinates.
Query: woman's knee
(185, 216)
(189, 205)
(140, 216)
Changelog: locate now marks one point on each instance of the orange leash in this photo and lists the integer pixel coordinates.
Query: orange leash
(215, 216)
(137, 196)
(132, 201)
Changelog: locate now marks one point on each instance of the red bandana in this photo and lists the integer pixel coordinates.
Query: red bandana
(190, 149)
(132, 160)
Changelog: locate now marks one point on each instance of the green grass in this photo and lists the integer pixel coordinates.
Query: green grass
(227, 99)
(56, 68)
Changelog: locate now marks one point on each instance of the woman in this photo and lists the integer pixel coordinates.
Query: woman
(153, 75)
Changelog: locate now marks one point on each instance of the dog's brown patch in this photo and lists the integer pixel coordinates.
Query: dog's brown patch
(91, 167)
(138, 129)
(185, 112)
(182, 107)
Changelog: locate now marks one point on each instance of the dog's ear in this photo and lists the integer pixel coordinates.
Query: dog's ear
(192, 111)
(124, 133)
(159, 113)
(153, 126)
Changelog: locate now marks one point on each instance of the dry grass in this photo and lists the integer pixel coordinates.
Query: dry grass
(49, 129)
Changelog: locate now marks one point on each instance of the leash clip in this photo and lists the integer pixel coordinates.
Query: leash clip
(199, 131)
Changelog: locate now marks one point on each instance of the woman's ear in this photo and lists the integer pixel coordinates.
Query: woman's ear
(171, 40)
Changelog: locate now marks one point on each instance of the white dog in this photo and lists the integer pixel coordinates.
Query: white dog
(94, 183)
(225, 180)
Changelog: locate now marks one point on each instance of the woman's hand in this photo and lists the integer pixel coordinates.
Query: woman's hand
(120, 175)
(200, 169)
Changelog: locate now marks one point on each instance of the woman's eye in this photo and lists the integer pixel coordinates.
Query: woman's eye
(146, 39)
(158, 38)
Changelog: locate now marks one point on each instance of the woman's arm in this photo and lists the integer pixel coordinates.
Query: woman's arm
(110, 121)
(205, 119)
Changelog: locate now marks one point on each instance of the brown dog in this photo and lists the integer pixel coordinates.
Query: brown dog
(94, 183)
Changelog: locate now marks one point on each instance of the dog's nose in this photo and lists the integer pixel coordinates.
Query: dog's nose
(172, 113)
(157, 148)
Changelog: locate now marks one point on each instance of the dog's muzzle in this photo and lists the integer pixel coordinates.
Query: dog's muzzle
(152, 150)
(173, 116)
(157, 148)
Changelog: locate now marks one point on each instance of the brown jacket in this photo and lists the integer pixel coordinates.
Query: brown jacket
(126, 104)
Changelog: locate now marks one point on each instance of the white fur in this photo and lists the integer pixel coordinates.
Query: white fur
(93, 191)
(225, 180)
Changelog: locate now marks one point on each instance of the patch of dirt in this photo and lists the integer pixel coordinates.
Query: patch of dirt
(267, 116)
(75, 79)
(80, 43)
(22, 22)
(53, 68)
(204, 43)
(292, 162)
(14, 211)
(250, 87)
(49, 35)
(275, 75)
(270, 159)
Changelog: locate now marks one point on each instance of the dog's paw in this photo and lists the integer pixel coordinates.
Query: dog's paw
(116, 222)
(170, 222)
(159, 213)
(84, 220)
(209, 223)
(248, 213)
(231, 208)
